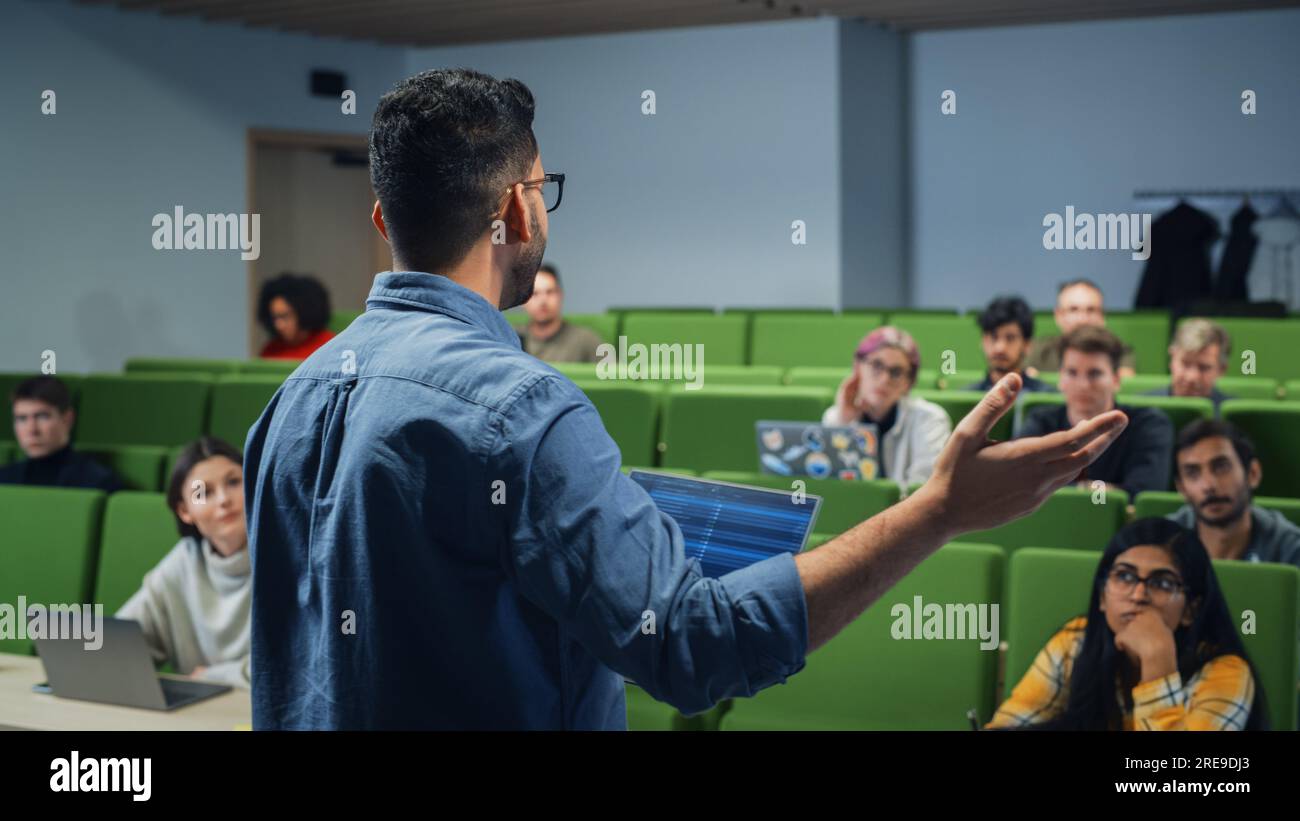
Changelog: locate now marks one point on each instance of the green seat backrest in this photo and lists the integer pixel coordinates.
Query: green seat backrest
(269, 367)
(1274, 427)
(866, 679)
(791, 340)
(714, 429)
(1147, 333)
(1273, 343)
(340, 320)
(935, 334)
(1027, 402)
(237, 402)
(1163, 503)
(9, 452)
(1069, 519)
(605, 325)
(1250, 387)
(142, 410)
(817, 376)
(959, 403)
(138, 466)
(630, 412)
(844, 504)
(138, 531)
(1049, 587)
(1158, 503)
(1270, 592)
(48, 548)
(959, 381)
(764, 375)
(170, 364)
(723, 337)
(1143, 382)
(1181, 410)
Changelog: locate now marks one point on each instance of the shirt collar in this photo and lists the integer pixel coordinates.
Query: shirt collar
(438, 294)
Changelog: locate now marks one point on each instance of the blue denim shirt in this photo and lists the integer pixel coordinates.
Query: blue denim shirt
(441, 538)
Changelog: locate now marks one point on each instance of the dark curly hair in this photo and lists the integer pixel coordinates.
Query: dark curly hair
(304, 293)
(444, 147)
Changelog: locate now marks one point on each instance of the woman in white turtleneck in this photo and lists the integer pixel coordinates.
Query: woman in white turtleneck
(194, 606)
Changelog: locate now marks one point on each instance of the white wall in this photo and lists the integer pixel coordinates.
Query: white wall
(152, 112)
(693, 205)
(1084, 114)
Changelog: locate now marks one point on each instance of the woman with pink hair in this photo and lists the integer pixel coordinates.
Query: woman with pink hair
(912, 430)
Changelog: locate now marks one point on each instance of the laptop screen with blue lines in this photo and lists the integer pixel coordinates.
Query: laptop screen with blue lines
(728, 526)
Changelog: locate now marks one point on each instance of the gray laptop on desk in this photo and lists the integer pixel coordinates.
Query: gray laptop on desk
(119, 672)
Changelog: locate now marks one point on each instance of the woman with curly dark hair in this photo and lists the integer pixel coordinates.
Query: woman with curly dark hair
(295, 311)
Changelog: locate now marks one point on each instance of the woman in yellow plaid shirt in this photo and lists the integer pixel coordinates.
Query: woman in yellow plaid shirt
(1157, 651)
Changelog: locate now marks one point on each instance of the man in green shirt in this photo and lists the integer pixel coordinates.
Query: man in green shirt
(547, 336)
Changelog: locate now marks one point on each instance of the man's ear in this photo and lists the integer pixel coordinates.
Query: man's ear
(377, 217)
(1255, 474)
(517, 215)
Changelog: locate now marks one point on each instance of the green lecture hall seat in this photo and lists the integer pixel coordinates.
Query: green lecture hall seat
(178, 364)
(340, 320)
(269, 367)
(138, 466)
(605, 325)
(1142, 382)
(714, 429)
(50, 545)
(791, 340)
(865, 679)
(1181, 410)
(817, 376)
(956, 381)
(1274, 428)
(1272, 343)
(1147, 333)
(126, 409)
(237, 402)
(844, 504)
(935, 334)
(630, 412)
(1069, 519)
(138, 531)
(1250, 387)
(723, 337)
(959, 403)
(1039, 606)
(9, 452)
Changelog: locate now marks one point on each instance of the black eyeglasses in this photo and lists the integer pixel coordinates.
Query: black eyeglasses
(552, 186)
(1160, 585)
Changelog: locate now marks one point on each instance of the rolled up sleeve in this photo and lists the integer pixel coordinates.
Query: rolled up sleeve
(589, 547)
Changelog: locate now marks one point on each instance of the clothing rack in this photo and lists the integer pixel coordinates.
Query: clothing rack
(1233, 193)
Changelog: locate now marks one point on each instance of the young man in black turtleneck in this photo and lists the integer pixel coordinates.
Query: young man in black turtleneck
(43, 419)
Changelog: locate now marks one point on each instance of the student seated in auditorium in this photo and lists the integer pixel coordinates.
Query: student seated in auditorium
(1079, 302)
(1217, 472)
(43, 420)
(1141, 457)
(1157, 650)
(194, 606)
(547, 336)
(295, 311)
(912, 430)
(1007, 333)
(1198, 356)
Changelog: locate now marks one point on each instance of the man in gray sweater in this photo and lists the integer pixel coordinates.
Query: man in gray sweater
(1217, 475)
